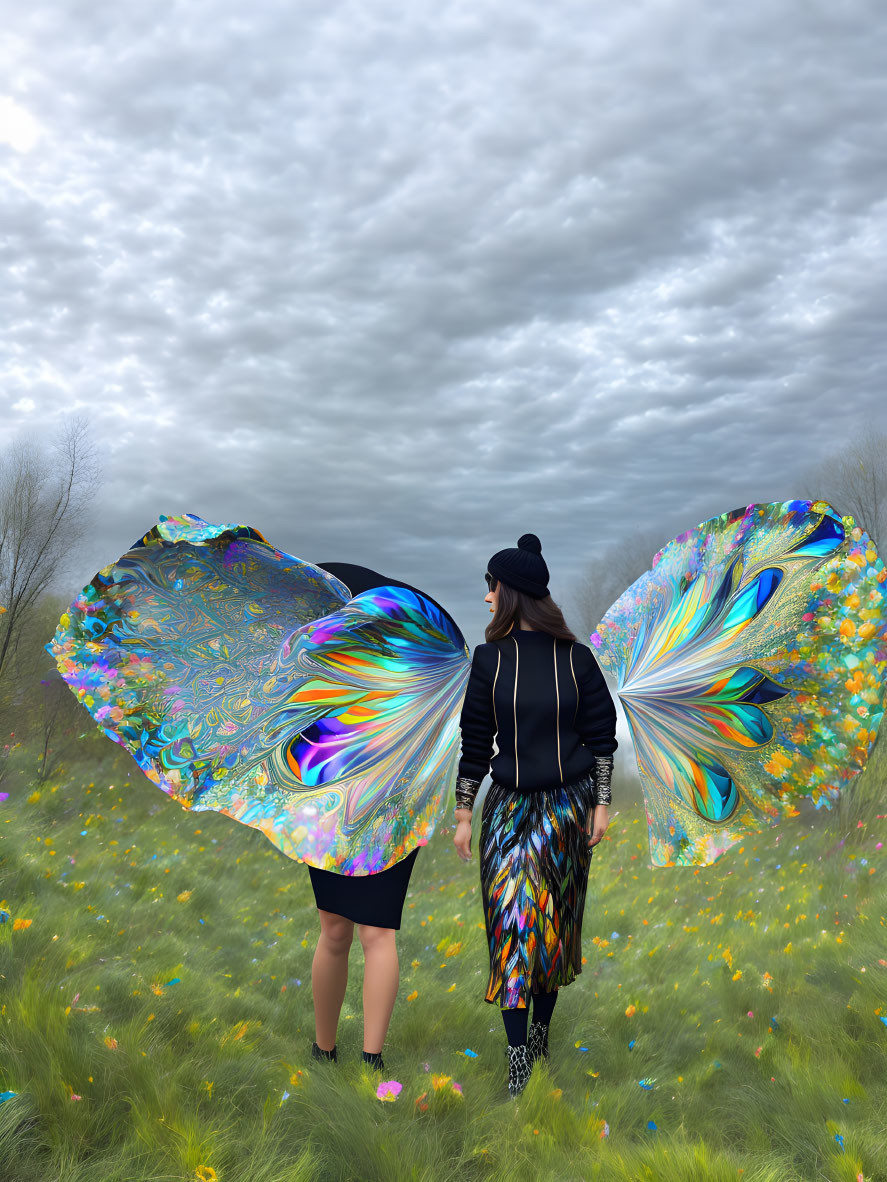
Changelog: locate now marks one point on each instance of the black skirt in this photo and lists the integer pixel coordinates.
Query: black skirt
(373, 899)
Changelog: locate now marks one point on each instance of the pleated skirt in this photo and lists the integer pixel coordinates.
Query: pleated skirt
(373, 899)
(534, 863)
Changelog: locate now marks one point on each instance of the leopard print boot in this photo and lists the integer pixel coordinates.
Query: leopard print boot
(519, 1067)
(537, 1040)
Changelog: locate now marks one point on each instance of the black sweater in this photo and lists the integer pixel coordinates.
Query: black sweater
(546, 704)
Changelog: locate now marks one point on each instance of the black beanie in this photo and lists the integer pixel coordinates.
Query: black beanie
(522, 568)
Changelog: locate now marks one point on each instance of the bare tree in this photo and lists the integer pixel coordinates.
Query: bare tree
(607, 576)
(854, 480)
(58, 724)
(44, 494)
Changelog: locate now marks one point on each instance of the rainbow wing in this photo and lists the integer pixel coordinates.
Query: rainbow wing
(750, 661)
(248, 682)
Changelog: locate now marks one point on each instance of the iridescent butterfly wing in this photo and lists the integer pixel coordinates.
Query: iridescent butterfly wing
(248, 682)
(750, 662)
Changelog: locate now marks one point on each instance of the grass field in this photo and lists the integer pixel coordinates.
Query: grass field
(156, 1017)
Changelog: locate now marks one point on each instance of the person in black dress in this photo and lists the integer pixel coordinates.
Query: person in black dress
(539, 695)
(373, 901)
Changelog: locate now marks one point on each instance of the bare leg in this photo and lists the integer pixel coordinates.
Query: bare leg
(329, 975)
(381, 978)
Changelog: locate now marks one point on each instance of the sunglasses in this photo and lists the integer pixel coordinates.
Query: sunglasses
(492, 581)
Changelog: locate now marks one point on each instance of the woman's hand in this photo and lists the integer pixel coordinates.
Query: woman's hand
(462, 838)
(596, 824)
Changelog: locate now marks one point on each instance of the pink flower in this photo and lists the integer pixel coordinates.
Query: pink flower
(389, 1090)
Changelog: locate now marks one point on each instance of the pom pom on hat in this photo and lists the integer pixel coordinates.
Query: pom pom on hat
(529, 542)
(522, 567)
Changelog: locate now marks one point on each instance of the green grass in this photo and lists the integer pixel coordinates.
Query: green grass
(212, 1076)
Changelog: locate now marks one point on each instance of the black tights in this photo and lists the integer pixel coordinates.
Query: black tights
(516, 1019)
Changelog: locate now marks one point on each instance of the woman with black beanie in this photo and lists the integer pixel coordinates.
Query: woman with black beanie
(538, 694)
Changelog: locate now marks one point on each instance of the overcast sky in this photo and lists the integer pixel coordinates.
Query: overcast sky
(396, 283)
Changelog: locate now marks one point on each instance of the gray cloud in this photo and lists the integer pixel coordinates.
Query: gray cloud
(396, 285)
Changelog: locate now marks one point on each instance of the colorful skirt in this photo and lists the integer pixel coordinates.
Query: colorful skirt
(534, 862)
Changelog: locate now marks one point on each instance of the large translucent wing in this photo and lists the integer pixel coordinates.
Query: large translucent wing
(750, 661)
(245, 681)
(367, 720)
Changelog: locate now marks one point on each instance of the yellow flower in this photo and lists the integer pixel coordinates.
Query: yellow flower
(183, 896)
(412, 996)
(18, 924)
(205, 1174)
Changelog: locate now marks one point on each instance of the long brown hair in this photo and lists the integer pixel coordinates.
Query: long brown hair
(514, 606)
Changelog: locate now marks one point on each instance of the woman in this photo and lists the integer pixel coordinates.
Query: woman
(373, 901)
(539, 694)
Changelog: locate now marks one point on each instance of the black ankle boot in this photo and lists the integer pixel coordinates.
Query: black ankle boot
(537, 1040)
(327, 1056)
(374, 1058)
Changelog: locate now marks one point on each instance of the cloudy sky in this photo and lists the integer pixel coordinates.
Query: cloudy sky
(395, 283)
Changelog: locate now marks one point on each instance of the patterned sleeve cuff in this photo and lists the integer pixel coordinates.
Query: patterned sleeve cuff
(603, 770)
(466, 790)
